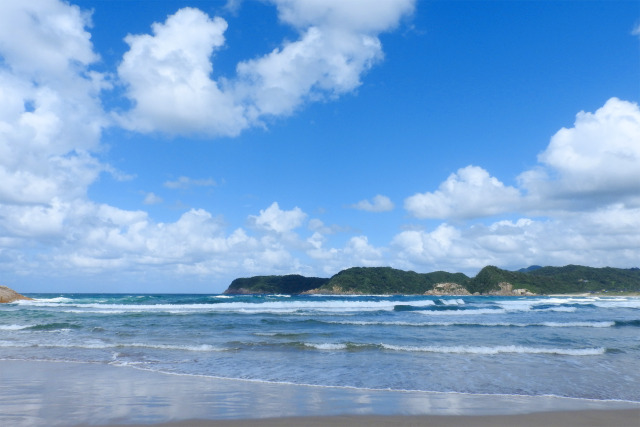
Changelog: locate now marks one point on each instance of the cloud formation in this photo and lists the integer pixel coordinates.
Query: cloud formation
(169, 74)
(593, 164)
(580, 204)
(275, 219)
(469, 193)
(379, 203)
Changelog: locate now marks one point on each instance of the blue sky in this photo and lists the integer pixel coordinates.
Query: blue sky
(175, 145)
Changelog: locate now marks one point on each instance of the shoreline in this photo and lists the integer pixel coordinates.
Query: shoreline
(593, 418)
(42, 393)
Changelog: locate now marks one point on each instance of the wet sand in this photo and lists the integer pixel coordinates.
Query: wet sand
(38, 394)
(617, 418)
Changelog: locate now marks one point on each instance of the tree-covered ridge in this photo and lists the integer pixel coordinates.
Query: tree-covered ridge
(490, 280)
(387, 280)
(567, 279)
(289, 284)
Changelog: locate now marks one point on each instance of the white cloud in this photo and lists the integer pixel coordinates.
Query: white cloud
(357, 15)
(379, 203)
(595, 162)
(184, 182)
(586, 184)
(50, 114)
(361, 253)
(275, 219)
(469, 193)
(45, 38)
(168, 75)
(606, 237)
(152, 199)
(587, 187)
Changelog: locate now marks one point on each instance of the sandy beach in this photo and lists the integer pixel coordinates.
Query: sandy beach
(80, 394)
(619, 418)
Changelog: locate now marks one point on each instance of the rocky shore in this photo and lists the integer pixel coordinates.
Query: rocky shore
(9, 295)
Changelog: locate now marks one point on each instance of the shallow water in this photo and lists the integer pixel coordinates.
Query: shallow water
(578, 347)
(45, 394)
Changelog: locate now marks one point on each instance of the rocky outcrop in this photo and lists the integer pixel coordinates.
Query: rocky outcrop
(9, 295)
(448, 289)
(506, 289)
(334, 290)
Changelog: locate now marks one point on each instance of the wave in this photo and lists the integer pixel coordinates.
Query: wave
(602, 324)
(100, 346)
(456, 301)
(484, 350)
(460, 312)
(628, 322)
(618, 303)
(54, 326)
(277, 307)
(41, 327)
(326, 346)
(38, 301)
(13, 327)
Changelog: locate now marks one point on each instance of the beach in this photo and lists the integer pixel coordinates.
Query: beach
(37, 393)
(119, 359)
(620, 418)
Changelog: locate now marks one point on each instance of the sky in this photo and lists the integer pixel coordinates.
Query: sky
(172, 146)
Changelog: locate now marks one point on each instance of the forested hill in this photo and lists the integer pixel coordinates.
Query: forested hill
(490, 280)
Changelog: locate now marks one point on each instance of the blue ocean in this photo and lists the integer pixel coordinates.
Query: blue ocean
(579, 347)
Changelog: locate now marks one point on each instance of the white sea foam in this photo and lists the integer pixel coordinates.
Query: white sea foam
(102, 345)
(326, 346)
(485, 350)
(452, 301)
(13, 327)
(618, 303)
(463, 312)
(605, 324)
(277, 307)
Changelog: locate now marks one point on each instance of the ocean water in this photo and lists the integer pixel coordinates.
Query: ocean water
(578, 347)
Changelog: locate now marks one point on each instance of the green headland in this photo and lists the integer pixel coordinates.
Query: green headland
(535, 280)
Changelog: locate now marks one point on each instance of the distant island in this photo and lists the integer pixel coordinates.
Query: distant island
(491, 280)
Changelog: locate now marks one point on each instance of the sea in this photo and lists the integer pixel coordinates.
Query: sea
(575, 347)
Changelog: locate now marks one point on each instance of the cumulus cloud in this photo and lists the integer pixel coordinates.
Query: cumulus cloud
(50, 118)
(469, 193)
(169, 74)
(595, 162)
(379, 203)
(592, 164)
(581, 202)
(50, 114)
(606, 237)
(583, 199)
(275, 219)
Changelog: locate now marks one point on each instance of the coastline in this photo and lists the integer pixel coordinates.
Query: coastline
(597, 418)
(46, 393)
